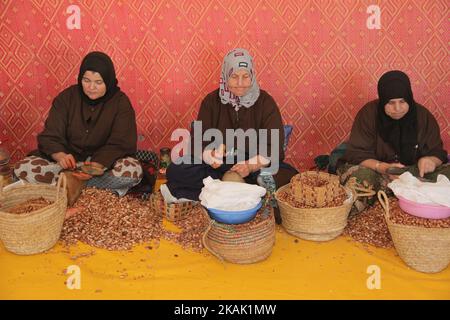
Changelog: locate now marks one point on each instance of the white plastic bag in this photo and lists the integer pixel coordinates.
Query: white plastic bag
(230, 196)
(410, 188)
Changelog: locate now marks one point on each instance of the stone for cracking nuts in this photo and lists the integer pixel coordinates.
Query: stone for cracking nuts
(232, 176)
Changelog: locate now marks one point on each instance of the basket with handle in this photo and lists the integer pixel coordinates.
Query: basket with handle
(38, 230)
(318, 224)
(423, 249)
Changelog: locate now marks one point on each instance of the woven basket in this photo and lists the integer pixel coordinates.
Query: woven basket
(318, 224)
(315, 196)
(423, 249)
(241, 243)
(36, 231)
(171, 211)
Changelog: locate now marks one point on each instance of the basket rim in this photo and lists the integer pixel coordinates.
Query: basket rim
(389, 221)
(352, 197)
(55, 203)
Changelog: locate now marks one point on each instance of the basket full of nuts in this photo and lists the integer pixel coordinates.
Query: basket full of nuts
(171, 211)
(31, 216)
(423, 244)
(245, 243)
(313, 209)
(315, 189)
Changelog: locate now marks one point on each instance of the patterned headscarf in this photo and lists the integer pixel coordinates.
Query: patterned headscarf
(234, 60)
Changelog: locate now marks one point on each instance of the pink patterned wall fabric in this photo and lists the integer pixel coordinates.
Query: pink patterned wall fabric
(320, 60)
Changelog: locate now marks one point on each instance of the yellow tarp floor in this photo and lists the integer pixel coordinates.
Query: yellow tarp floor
(297, 269)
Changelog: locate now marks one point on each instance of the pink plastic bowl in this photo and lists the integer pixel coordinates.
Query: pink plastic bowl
(424, 210)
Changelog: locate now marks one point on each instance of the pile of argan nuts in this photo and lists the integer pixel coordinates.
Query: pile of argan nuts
(398, 216)
(30, 205)
(193, 226)
(287, 196)
(369, 227)
(118, 223)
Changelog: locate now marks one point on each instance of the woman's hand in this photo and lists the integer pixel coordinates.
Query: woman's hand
(427, 165)
(66, 161)
(214, 157)
(251, 165)
(242, 168)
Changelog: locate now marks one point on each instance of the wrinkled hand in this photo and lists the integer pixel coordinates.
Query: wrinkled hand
(426, 165)
(214, 157)
(242, 168)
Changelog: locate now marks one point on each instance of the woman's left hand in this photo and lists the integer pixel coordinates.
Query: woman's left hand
(426, 165)
(242, 168)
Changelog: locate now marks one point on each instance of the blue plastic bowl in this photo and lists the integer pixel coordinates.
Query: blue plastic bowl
(234, 217)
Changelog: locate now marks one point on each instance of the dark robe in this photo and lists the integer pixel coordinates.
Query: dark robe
(186, 180)
(365, 141)
(105, 131)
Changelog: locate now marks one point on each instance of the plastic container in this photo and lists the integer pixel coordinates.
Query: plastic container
(234, 217)
(423, 210)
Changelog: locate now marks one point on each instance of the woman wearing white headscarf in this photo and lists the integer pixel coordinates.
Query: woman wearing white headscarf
(238, 103)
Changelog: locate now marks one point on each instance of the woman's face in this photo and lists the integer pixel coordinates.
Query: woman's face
(396, 108)
(239, 82)
(93, 85)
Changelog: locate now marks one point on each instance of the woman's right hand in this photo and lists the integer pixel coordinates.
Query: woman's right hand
(214, 157)
(66, 161)
(383, 167)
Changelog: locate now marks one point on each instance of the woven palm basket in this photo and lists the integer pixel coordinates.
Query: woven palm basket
(423, 249)
(245, 243)
(36, 231)
(317, 224)
(171, 211)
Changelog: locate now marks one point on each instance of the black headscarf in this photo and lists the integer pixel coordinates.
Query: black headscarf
(98, 62)
(401, 134)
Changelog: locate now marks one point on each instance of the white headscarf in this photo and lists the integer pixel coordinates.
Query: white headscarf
(238, 59)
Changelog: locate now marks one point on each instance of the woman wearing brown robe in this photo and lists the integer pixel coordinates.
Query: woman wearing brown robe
(239, 103)
(91, 121)
(392, 133)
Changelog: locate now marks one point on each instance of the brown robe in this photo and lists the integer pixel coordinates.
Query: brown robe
(264, 114)
(365, 142)
(106, 132)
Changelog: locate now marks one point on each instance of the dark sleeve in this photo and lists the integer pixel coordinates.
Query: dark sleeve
(272, 120)
(122, 141)
(206, 116)
(430, 141)
(53, 138)
(363, 138)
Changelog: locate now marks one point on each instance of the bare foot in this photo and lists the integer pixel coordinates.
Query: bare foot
(72, 211)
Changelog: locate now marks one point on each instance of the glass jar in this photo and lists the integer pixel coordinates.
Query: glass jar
(164, 158)
(266, 180)
(5, 169)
